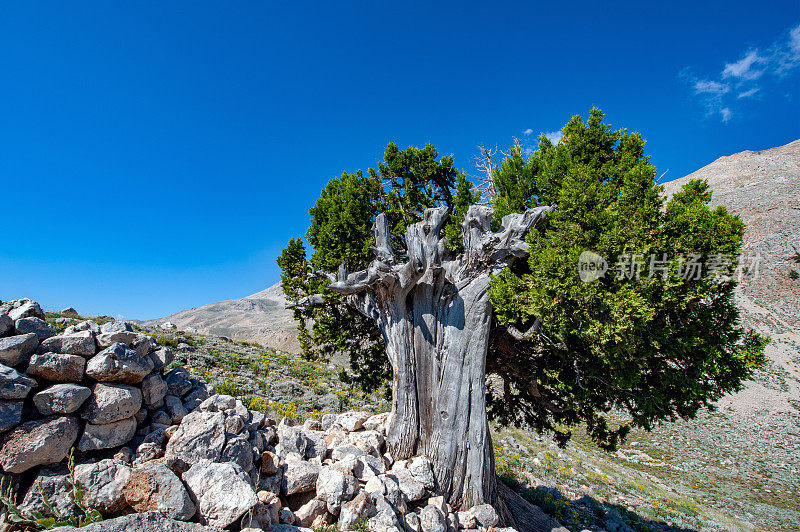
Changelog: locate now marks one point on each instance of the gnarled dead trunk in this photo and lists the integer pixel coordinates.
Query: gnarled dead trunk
(434, 314)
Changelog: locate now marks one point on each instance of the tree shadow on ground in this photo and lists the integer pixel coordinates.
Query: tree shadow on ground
(589, 513)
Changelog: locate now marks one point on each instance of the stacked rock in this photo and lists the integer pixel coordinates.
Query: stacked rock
(153, 442)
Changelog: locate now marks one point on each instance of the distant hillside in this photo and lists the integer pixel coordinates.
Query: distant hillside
(763, 187)
(258, 318)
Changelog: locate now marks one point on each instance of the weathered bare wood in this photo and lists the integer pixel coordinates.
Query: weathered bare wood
(434, 314)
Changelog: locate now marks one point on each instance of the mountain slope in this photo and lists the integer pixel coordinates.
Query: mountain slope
(763, 187)
(260, 317)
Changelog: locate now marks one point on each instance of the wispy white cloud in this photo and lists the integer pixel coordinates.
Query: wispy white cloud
(787, 57)
(748, 93)
(705, 86)
(745, 68)
(528, 132)
(747, 76)
(553, 136)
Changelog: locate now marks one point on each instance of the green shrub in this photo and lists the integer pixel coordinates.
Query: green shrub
(164, 340)
(228, 388)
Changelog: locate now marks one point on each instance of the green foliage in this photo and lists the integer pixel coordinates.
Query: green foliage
(164, 340)
(38, 521)
(228, 387)
(405, 183)
(659, 346)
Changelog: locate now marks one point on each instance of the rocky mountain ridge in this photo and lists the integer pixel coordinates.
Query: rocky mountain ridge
(260, 317)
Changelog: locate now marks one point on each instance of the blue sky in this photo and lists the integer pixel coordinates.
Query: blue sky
(156, 156)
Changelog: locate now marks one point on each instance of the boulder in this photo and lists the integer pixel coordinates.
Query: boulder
(351, 421)
(311, 511)
(174, 408)
(148, 451)
(222, 492)
(105, 340)
(195, 397)
(119, 363)
(367, 466)
(41, 442)
(485, 515)
(6, 324)
(234, 424)
(154, 389)
(111, 402)
(115, 326)
(335, 488)
(259, 518)
(154, 487)
(218, 403)
(10, 414)
(299, 477)
(178, 382)
(25, 308)
(384, 521)
(328, 420)
(422, 470)
(108, 436)
(140, 416)
(87, 325)
(145, 522)
(14, 385)
(69, 310)
(57, 367)
(51, 487)
(412, 489)
(160, 417)
(356, 510)
(270, 463)
(369, 441)
(161, 357)
(388, 487)
(143, 345)
(200, 435)
(432, 519)
(17, 348)
(61, 399)
(412, 523)
(103, 483)
(239, 451)
(79, 343)
(378, 422)
(37, 326)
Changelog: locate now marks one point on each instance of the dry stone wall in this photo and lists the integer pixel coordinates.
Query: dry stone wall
(156, 448)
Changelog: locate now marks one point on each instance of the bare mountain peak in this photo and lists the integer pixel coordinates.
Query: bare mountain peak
(260, 317)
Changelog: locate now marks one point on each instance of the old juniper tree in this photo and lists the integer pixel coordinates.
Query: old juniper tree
(474, 309)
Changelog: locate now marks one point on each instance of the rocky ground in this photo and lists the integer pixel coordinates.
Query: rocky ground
(102, 425)
(711, 473)
(733, 469)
